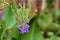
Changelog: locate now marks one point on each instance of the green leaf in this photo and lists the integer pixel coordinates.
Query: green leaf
(44, 20)
(54, 38)
(15, 33)
(31, 17)
(2, 24)
(56, 26)
(57, 13)
(49, 34)
(14, 8)
(33, 34)
(9, 18)
(9, 36)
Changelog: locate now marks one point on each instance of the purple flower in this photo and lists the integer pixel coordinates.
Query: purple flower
(23, 29)
(0, 14)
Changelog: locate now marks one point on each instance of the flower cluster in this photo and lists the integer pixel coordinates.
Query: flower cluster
(22, 18)
(23, 29)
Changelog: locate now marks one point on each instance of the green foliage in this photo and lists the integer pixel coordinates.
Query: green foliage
(55, 26)
(49, 3)
(54, 38)
(33, 34)
(23, 14)
(45, 20)
(42, 27)
(57, 13)
(9, 18)
(15, 34)
(34, 15)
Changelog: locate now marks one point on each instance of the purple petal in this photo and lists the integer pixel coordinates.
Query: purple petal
(26, 30)
(23, 29)
(0, 14)
(19, 29)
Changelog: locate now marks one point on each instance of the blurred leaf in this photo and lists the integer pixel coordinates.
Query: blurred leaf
(33, 34)
(49, 3)
(49, 34)
(31, 17)
(12, 33)
(57, 13)
(55, 26)
(9, 18)
(9, 36)
(14, 6)
(44, 20)
(15, 33)
(2, 34)
(54, 38)
(2, 24)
